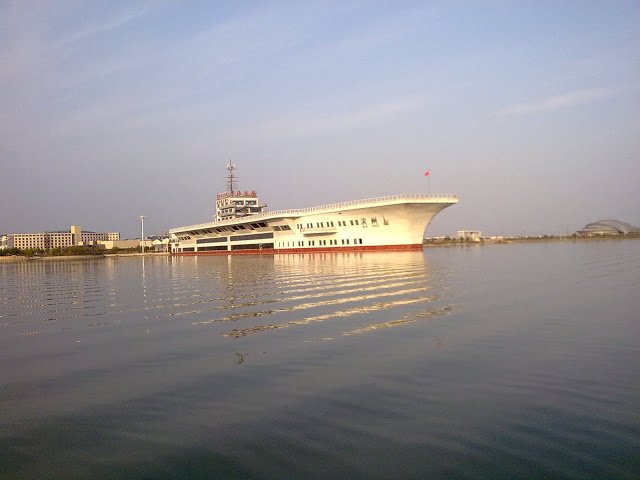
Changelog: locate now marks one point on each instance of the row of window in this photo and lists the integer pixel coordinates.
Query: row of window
(239, 209)
(341, 223)
(213, 247)
(252, 236)
(229, 228)
(52, 243)
(251, 246)
(249, 236)
(212, 240)
(373, 221)
(260, 246)
(320, 243)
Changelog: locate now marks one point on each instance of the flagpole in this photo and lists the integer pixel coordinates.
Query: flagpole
(428, 175)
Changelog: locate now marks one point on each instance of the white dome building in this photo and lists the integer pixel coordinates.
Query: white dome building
(608, 227)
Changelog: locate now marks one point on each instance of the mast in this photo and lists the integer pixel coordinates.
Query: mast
(231, 178)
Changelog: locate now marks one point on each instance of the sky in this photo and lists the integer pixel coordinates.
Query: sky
(528, 111)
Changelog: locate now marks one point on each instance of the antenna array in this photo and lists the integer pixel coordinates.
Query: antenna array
(231, 178)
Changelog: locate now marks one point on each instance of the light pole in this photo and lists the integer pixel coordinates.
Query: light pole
(142, 235)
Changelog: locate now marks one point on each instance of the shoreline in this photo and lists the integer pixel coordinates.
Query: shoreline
(426, 244)
(511, 240)
(146, 254)
(46, 258)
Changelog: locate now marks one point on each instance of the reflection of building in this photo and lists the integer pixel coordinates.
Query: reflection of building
(608, 227)
(469, 235)
(59, 239)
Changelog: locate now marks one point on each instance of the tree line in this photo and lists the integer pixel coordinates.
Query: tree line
(67, 251)
(53, 252)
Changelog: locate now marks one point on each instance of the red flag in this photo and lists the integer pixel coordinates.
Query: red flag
(426, 174)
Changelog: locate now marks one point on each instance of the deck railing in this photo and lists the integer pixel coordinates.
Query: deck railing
(331, 206)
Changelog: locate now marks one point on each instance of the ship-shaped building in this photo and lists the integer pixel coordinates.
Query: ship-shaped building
(243, 225)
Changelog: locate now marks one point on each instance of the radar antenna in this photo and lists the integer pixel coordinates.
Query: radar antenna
(231, 178)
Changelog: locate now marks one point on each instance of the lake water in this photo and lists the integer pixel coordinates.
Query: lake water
(503, 361)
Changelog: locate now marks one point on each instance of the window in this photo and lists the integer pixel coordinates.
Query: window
(206, 249)
(211, 240)
(253, 236)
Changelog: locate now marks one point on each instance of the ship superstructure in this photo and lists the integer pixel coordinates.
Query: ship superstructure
(235, 203)
(242, 225)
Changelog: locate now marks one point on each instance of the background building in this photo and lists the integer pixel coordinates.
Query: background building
(160, 242)
(24, 241)
(608, 227)
(6, 241)
(58, 239)
(122, 244)
(469, 235)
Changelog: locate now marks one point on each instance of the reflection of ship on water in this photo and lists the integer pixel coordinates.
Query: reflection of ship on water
(68, 290)
(242, 225)
(338, 295)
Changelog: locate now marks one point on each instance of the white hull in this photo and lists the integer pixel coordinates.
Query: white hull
(388, 223)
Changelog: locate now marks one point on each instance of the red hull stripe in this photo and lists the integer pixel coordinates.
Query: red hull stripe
(272, 251)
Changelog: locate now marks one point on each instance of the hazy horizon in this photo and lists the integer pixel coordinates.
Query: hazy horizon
(529, 112)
